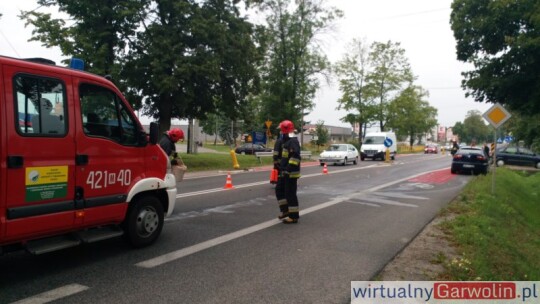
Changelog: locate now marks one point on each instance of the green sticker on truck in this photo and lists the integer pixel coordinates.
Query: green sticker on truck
(43, 183)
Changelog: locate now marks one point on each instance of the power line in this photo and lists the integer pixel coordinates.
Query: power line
(9, 43)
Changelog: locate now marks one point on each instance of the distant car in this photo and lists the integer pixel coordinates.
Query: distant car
(249, 148)
(339, 154)
(470, 160)
(517, 156)
(431, 148)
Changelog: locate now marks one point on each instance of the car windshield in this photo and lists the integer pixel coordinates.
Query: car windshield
(337, 148)
(374, 140)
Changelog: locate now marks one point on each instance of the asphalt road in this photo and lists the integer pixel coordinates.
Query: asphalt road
(226, 246)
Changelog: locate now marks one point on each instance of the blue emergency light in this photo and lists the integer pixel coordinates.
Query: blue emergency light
(76, 63)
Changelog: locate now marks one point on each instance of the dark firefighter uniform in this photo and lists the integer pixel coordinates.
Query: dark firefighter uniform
(280, 186)
(289, 168)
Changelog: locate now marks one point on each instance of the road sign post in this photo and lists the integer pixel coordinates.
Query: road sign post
(496, 116)
(387, 143)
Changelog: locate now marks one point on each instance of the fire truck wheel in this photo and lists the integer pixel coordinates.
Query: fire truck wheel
(144, 221)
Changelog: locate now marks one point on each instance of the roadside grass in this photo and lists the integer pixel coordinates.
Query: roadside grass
(408, 149)
(218, 147)
(218, 161)
(497, 236)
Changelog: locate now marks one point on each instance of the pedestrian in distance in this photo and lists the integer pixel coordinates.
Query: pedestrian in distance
(486, 150)
(289, 173)
(455, 147)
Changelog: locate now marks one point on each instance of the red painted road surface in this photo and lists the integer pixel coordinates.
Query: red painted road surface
(438, 177)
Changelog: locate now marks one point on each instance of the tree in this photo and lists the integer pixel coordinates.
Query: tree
(458, 129)
(410, 115)
(206, 66)
(525, 128)
(211, 125)
(98, 34)
(473, 129)
(322, 134)
(293, 60)
(183, 59)
(353, 71)
(501, 39)
(391, 70)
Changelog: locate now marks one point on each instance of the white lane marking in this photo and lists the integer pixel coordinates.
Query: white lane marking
(383, 201)
(53, 295)
(400, 195)
(171, 256)
(261, 183)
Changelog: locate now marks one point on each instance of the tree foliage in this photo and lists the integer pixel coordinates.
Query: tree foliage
(390, 72)
(525, 128)
(501, 39)
(353, 71)
(410, 115)
(473, 129)
(98, 32)
(184, 59)
(322, 134)
(199, 57)
(293, 60)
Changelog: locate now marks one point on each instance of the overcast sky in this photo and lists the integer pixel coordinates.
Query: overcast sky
(421, 26)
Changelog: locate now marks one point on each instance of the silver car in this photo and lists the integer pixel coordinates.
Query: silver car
(339, 154)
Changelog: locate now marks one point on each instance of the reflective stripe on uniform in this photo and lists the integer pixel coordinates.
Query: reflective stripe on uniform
(285, 154)
(293, 209)
(295, 174)
(282, 202)
(294, 161)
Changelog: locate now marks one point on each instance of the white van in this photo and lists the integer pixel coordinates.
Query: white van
(373, 146)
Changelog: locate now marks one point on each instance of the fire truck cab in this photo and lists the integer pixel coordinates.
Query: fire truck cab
(76, 165)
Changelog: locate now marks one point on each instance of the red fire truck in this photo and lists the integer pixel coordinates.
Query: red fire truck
(76, 166)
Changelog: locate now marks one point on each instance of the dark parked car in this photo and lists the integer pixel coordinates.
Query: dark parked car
(470, 160)
(517, 156)
(249, 148)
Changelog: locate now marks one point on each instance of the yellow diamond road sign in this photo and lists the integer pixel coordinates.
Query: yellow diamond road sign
(496, 115)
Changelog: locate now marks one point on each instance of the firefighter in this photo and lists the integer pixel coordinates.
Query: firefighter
(289, 167)
(169, 140)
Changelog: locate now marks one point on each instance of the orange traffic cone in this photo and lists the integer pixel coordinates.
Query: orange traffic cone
(228, 183)
(325, 169)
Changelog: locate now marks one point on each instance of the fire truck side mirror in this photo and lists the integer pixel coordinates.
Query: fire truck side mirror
(154, 132)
